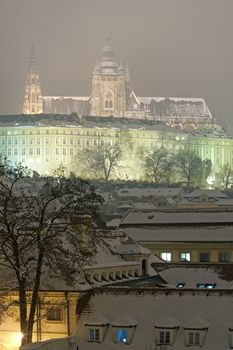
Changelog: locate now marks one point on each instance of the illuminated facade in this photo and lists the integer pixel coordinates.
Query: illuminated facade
(44, 142)
(112, 95)
(33, 103)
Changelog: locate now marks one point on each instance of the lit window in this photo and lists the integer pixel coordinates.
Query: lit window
(94, 334)
(185, 257)
(121, 335)
(206, 285)
(167, 256)
(164, 337)
(194, 338)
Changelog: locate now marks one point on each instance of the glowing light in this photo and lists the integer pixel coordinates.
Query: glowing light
(19, 337)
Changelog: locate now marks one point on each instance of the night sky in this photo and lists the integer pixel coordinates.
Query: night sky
(181, 48)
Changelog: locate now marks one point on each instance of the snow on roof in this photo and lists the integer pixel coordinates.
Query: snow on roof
(124, 321)
(66, 343)
(167, 322)
(153, 217)
(191, 276)
(130, 249)
(145, 192)
(75, 98)
(209, 193)
(208, 234)
(147, 307)
(197, 323)
(97, 320)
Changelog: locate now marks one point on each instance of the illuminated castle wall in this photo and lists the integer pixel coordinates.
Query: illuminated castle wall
(44, 142)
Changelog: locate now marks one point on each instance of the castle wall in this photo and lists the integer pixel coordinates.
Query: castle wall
(44, 148)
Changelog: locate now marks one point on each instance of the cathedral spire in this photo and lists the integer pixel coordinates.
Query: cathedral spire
(32, 99)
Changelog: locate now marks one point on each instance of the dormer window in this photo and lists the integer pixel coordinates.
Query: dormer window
(123, 330)
(164, 337)
(195, 332)
(194, 338)
(96, 327)
(165, 331)
(94, 334)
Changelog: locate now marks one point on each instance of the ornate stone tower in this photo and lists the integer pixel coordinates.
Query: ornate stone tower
(109, 85)
(33, 103)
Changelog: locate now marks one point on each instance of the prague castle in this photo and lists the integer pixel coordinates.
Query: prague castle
(112, 95)
(53, 130)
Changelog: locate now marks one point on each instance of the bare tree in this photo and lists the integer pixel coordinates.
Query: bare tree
(101, 161)
(191, 168)
(225, 177)
(47, 227)
(158, 165)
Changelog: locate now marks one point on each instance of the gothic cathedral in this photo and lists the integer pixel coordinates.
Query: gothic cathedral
(33, 103)
(110, 86)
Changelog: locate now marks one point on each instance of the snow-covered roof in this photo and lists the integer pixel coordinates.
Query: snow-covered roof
(75, 98)
(97, 320)
(167, 322)
(191, 276)
(148, 306)
(153, 217)
(197, 323)
(149, 192)
(208, 234)
(124, 321)
(66, 343)
(209, 193)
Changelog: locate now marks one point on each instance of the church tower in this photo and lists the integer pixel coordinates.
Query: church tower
(108, 97)
(33, 103)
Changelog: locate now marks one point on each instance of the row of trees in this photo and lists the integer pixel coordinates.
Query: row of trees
(48, 230)
(158, 165)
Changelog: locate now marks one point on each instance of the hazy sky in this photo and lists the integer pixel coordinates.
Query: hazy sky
(180, 48)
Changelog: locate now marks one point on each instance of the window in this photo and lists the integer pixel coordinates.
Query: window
(206, 285)
(93, 334)
(55, 315)
(38, 151)
(224, 257)
(185, 257)
(30, 151)
(180, 285)
(121, 335)
(204, 257)
(167, 256)
(164, 337)
(194, 338)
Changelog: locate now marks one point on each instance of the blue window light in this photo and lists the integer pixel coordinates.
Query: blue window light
(121, 335)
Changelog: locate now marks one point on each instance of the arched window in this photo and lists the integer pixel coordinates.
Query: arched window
(108, 104)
